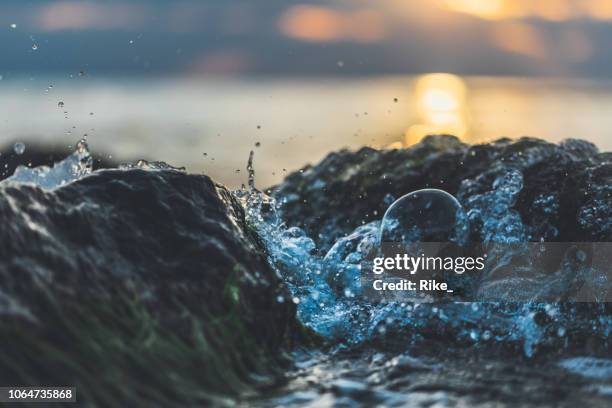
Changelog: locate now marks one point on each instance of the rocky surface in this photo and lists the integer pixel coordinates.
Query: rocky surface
(137, 286)
(147, 286)
(565, 190)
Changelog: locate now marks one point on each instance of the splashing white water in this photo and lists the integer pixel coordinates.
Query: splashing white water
(73, 167)
(328, 286)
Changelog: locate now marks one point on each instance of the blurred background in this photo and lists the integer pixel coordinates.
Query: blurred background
(201, 83)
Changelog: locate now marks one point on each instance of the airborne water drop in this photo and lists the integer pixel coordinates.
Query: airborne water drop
(19, 148)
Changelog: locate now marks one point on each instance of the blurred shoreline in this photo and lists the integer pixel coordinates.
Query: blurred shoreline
(210, 124)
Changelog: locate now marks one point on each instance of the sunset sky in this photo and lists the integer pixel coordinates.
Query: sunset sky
(289, 38)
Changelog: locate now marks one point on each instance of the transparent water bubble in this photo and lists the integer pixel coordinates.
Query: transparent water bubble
(19, 148)
(34, 47)
(13, 26)
(429, 215)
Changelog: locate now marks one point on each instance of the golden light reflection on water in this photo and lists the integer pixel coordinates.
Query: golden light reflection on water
(440, 101)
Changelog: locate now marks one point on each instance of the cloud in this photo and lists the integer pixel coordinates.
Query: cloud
(549, 10)
(72, 15)
(324, 24)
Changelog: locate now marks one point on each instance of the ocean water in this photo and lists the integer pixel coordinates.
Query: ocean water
(212, 124)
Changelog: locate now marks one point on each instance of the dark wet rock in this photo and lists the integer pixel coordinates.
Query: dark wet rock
(149, 284)
(565, 196)
(37, 155)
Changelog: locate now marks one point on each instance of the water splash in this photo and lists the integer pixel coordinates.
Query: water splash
(150, 166)
(491, 212)
(251, 171)
(75, 166)
(328, 284)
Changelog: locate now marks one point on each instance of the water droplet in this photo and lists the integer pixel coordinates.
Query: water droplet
(34, 47)
(60, 104)
(296, 300)
(257, 144)
(19, 148)
(13, 26)
(395, 100)
(388, 199)
(486, 335)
